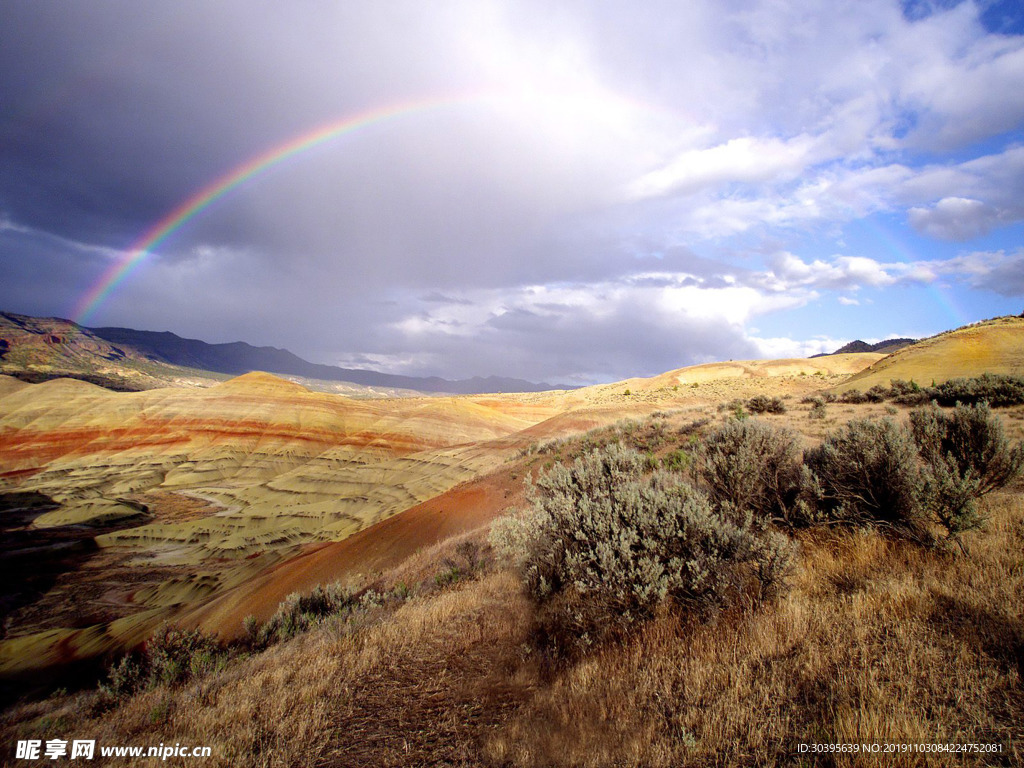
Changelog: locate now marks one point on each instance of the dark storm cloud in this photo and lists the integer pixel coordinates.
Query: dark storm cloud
(599, 155)
(43, 260)
(584, 346)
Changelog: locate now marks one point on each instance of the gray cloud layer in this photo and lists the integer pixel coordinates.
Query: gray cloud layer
(567, 214)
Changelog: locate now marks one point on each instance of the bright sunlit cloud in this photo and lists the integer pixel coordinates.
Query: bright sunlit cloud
(579, 191)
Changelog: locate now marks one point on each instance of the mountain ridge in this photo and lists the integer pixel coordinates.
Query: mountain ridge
(886, 346)
(111, 345)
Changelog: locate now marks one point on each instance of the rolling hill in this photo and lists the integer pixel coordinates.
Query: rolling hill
(198, 496)
(205, 504)
(992, 346)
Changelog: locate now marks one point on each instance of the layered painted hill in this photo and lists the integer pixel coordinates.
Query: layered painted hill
(283, 463)
(204, 503)
(992, 346)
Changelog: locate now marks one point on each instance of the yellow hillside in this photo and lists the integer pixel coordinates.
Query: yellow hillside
(994, 346)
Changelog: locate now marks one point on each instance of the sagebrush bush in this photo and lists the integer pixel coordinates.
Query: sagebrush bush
(763, 404)
(754, 466)
(908, 392)
(853, 396)
(468, 562)
(971, 440)
(998, 390)
(512, 535)
(968, 456)
(170, 657)
(297, 613)
(869, 471)
(876, 394)
(613, 546)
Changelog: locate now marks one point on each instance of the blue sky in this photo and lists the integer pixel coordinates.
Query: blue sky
(596, 191)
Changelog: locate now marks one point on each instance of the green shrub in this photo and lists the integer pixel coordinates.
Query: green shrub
(969, 456)
(677, 460)
(612, 546)
(175, 655)
(853, 396)
(876, 394)
(693, 428)
(126, 676)
(869, 472)
(996, 389)
(297, 613)
(971, 441)
(753, 466)
(170, 657)
(759, 404)
(907, 392)
(467, 563)
(818, 409)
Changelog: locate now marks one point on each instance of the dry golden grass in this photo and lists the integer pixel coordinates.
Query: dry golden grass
(420, 687)
(877, 641)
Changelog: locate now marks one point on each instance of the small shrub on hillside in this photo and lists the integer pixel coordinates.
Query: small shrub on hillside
(647, 436)
(170, 657)
(694, 427)
(969, 456)
(876, 394)
(677, 460)
(759, 404)
(176, 655)
(997, 390)
(613, 546)
(754, 466)
(853, 396)
(467, 563)
(297, 613)
(869, 472)
(125, 677)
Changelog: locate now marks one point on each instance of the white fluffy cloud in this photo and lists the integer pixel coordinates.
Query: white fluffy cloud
(550, 195)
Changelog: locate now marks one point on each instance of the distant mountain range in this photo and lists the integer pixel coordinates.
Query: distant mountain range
(883, 347)
(54, 343)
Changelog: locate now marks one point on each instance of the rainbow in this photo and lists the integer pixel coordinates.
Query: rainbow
(904, 254)
(212, 192)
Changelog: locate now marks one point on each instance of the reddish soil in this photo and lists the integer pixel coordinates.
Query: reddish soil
(40, 448)
(384, 545)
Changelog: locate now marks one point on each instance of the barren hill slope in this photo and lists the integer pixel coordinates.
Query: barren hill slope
(992, 346)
